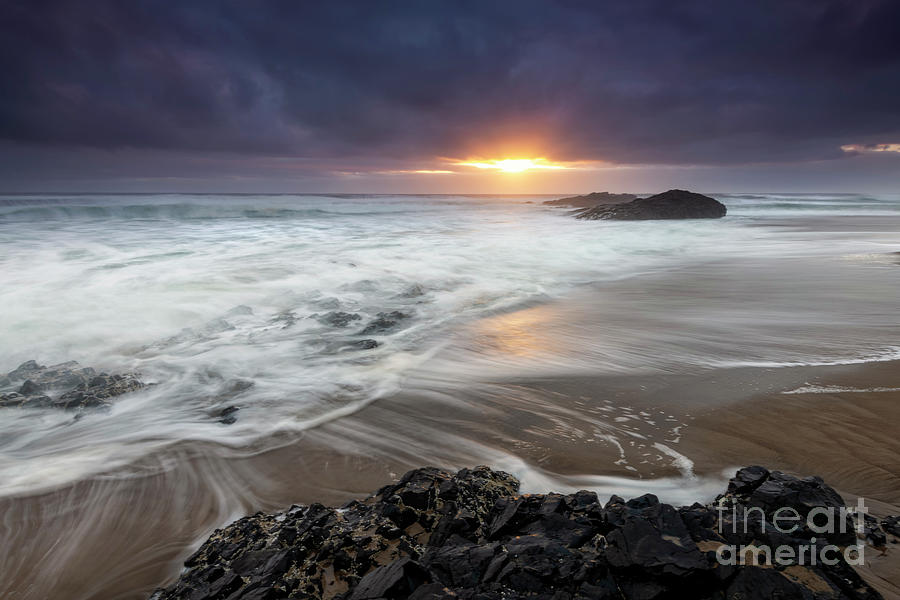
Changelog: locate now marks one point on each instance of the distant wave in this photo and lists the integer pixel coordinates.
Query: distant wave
(57, 212)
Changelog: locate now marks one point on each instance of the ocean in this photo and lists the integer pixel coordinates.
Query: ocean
(350, 338)
(300, 310)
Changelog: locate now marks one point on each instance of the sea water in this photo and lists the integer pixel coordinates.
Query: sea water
(277, 304)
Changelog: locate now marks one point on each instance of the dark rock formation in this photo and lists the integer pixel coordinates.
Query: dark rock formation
(228, 415)
(674, 204)
(339, 318)
(38, 377)
(384, 321)
(66, 385)
(892, 525)
(366, 344)
(472, 535)
(591, 200)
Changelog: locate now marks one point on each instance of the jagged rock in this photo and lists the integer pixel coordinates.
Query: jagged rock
(396, 580)
(366, 344)
(99, 390)
(384, 321)
(228, 415)
(756, 487)
(591, 200)
(339, 319)
(891, 525)
(66, 385)
(471, 535)
(15, 399)
(673, 204)
(653, 538)
(39, 378)
(30, 388)
(24, 370)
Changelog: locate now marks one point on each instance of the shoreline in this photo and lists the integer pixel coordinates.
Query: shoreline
(144, 526)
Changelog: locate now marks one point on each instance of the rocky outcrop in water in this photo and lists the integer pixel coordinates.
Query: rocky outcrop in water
(472, 535)
(384, 321)
(673, 204)
(591, 200)
(66, 385)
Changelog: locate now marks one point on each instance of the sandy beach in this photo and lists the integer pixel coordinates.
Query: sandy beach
(134, 529)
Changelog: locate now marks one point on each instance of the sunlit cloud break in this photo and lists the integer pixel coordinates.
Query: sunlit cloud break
(863, 148)
(514, 165)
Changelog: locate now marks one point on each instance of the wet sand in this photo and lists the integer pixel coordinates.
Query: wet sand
(846, 435)
(121, 535)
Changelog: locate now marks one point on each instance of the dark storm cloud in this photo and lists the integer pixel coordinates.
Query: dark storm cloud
(636, 82)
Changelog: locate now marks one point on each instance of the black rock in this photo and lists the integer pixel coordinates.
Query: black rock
(747, 479)
(758, 488)
(434, 534)
(15, 399)
(99, 390)
(673, 204)
(41, 378)
(891, 525)
(384, 321)
(366, 344)
(396, 580)
(591, 200)
(66, 385)
(30, 388)
(228, 415)
(339, 319)
(24, 370)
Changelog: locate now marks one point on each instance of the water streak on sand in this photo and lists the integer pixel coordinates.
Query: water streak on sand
(838, 389)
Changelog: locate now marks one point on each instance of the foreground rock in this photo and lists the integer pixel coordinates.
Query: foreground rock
(472, 535)
(674, 204)
(66, 385)
(591, 200)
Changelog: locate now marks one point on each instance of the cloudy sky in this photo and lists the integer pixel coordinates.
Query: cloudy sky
(422, 96)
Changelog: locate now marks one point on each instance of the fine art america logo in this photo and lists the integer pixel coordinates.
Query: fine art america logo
(820, 525)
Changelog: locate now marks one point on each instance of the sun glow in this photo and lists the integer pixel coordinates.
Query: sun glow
(513, 165)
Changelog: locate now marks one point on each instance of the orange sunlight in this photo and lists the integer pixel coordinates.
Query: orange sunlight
(513, 165)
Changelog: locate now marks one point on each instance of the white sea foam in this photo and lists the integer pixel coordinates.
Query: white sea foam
(839, 389)
(197, 292)
(682, 490)
(884, 355)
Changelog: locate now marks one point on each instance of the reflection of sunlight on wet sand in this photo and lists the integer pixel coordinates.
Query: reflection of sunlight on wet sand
(521, 333)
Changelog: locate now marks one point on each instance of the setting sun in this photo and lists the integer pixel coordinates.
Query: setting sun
(513, 165)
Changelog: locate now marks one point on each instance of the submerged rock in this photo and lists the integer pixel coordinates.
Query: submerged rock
(231, 389)
(892, 525)
(674, 204)
(472, 535)
(228, 415)
(39, 378)
(366, 344)
(384, 321)
(66, 385)
(591, 200)
(99, 390)
(339, 318)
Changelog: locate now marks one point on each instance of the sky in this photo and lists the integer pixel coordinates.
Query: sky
(426, 96)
